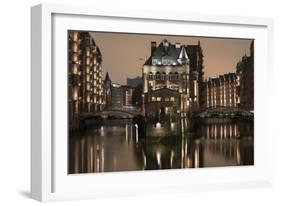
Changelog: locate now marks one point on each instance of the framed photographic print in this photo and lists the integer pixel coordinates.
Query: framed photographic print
(133, 102)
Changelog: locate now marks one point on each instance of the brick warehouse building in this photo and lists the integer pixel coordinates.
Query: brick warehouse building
(245, 72)
(222, 91)
(85, 84)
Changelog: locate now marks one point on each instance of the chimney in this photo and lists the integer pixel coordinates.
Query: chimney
(153, 47)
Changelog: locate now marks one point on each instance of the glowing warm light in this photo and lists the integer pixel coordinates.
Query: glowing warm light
(173, 125)
(137, 134)
(75, 93)
(102, 159)
(158, 125)
(158, 158)
(195, 88)
(102, 131)
(144, 160)
(172, 157)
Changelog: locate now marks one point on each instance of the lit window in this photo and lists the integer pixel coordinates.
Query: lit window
(172, 99)
(158, 99)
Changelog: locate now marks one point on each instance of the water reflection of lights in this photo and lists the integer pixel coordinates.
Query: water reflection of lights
(196, 154)
(144, 160)
(158, 158)
(102, 159)
(216, 132)
(114, 162)
(172, 158)
(196, 158)
(102, 131)
(92, 154)
(230, 130)
(188, 162)
(91, 158)
(137, 133)
(173, 125)
(127, 132)
(238, 157)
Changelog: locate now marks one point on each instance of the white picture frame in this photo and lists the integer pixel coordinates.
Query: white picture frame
(49, 181)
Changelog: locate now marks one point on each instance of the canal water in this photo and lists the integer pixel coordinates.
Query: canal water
(121, 145)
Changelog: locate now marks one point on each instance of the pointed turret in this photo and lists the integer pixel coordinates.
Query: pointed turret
(183, 57)
(107, 78)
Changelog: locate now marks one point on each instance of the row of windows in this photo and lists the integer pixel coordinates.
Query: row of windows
(166, 99)
(163, 62)
(164, 76)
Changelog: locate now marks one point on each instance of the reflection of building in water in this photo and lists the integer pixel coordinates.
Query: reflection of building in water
(85, 84)
(221, 131)
(102, 153)
(221, 91)
(228, 130)
(88, 156)
(172, 77)
(99, 150)
(192, 154)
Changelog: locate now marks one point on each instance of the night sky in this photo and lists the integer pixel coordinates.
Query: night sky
(124, 54)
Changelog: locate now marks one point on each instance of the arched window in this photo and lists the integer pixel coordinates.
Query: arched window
(170, 76)
(150, 76)
(176, 76)
(163, 76)
(157, 76)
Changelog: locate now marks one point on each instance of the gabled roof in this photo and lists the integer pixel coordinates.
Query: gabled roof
(183, 53)
(176, 52)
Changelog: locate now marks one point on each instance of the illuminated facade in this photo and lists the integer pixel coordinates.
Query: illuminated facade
(118, 97)
(85, 84)
(245, 72)
(172, 78)
(222, 91)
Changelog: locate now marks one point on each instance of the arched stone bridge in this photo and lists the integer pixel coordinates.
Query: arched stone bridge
(110, 114)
